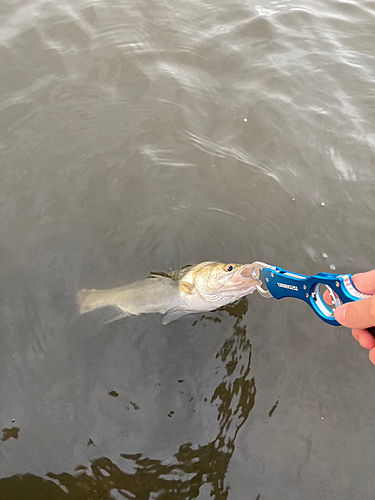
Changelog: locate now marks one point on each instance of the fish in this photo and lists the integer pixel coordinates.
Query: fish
(191, 289)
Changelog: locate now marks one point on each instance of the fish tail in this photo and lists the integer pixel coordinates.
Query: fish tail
(90, 300)
(87, 300)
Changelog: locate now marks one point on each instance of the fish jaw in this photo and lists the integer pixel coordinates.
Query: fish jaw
(243, 281)
(245, 273)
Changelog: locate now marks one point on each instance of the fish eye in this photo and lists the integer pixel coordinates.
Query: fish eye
(229, 268)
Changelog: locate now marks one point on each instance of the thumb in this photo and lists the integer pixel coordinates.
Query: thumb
(359, 314)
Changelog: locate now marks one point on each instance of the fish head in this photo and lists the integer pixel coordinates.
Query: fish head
(223, 283)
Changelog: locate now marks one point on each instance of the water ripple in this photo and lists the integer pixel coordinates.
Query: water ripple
(230, 152)
(163, 157)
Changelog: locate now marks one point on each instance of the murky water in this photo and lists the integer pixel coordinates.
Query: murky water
(144, 136)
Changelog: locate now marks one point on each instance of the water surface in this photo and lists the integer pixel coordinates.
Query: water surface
(145, 136)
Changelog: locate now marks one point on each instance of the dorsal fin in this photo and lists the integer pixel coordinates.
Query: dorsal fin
(174, 275)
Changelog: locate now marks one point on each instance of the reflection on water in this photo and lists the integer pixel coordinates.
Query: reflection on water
(182, 476)
(10, 433)
(270, 413)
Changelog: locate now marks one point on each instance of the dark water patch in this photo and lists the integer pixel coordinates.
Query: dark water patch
(10, 433)
(31, 487)
(271, 412)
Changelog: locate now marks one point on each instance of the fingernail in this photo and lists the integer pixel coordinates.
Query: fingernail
(340, 313)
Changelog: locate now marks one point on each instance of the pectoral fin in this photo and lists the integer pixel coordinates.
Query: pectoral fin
(186, 287)
(112, 313)
(175, 313)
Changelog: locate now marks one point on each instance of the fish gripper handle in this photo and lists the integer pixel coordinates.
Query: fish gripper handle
(310, 289)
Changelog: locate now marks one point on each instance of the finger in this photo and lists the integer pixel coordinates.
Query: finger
(327, 297)
(365, 282)
(355, 334)
(359, 314)
(365, 338)
(372, 356)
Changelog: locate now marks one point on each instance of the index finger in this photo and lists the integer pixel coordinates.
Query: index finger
(359, 315)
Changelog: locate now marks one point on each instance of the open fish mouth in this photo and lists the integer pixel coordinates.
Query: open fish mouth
(247, 272)
(244, 278)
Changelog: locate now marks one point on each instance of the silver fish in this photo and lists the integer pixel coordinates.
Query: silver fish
(192, 289)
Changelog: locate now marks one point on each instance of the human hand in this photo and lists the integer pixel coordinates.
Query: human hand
(360, 314)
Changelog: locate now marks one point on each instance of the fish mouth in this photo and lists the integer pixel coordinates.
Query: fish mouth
(247, 272)
(245, 277)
